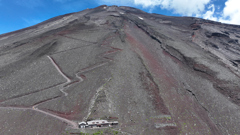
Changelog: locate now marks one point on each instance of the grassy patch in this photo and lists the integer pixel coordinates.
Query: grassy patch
(169, 118)
(115, 132)
(84, 133)
(98, 133)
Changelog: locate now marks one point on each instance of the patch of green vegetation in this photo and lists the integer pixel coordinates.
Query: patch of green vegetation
(81, 133)
(169, 118)
(108, 131)
(115, 132)
(98, 133)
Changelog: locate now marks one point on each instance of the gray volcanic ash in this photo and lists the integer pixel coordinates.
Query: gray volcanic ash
(154, 74)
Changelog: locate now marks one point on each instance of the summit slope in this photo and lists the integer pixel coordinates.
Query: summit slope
(152, 73)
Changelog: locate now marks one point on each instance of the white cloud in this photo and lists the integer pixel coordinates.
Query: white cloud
(231, 12)
(183, 7)
(210, 13)
(148, 3)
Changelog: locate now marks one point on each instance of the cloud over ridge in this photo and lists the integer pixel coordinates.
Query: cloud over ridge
(183, 7)
(197, 8)
(231, 12)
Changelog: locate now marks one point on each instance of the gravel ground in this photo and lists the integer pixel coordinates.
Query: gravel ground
(153, 74)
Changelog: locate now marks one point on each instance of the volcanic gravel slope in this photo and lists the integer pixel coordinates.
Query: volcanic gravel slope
(154, 74)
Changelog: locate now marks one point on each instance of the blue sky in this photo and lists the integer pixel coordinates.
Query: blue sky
(18, 14)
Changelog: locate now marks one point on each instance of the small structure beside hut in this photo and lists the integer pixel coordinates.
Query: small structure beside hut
(97, 123)
(82, 124)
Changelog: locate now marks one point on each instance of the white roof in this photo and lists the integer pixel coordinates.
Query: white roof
(97, 121)
(82, 123)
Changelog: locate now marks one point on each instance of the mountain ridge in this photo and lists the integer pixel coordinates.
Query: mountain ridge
(156, 74)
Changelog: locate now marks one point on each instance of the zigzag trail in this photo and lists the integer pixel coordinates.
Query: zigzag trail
(63, 75)
(68, 83)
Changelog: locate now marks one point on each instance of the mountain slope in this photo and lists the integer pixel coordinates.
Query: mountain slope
(154, 74)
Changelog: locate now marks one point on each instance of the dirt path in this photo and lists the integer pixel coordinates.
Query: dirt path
(69, 122)
(106, 44)
(61, 87)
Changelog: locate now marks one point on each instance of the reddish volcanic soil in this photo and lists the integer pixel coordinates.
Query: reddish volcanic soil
(153, 74)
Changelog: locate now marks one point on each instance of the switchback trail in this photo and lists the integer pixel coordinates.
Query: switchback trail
(68, 83)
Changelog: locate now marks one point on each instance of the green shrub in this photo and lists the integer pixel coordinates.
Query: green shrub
(115, 132)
